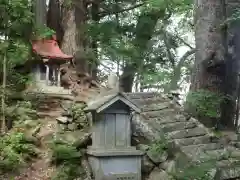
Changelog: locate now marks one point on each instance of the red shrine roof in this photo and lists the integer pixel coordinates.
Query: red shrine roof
(49, 49)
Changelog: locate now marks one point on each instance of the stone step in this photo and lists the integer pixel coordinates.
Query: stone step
(159, 113)
(141, 95)
(217, 154)
(149, 101)
(187, 133)
(230, 171)
(193, 140)
(156, 107)
(176, 126)
(233, 154)
(158, 123)
(52, 114)
(196, 151)
(168, 119)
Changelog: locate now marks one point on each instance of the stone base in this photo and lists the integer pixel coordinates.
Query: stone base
(41, 87)
(116, 167)
(130, 151)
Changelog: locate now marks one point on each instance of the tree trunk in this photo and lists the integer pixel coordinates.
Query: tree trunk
(216, 65)
(94, 45)
(3, 125)
(127, 78)
(232, 64)
(209, 46)
(54, 19)
(74, 41)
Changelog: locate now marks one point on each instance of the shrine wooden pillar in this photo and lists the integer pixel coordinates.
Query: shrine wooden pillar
(58, 77)
(47, 74)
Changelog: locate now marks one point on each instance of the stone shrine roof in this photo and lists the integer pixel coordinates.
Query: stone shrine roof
(103, 101)
(48, 48)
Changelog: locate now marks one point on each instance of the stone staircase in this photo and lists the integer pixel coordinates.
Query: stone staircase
(188, 138)
(49, 107)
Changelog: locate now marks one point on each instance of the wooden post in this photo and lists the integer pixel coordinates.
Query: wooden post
(58, 77)
(54, 76)
(47, 74)
(38, 73)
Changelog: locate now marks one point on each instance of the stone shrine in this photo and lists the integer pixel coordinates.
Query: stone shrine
(46, 67)
(111, 155)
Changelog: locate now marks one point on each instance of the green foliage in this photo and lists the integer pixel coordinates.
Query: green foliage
(15, 150)
(67, 159)
(16, 17)
(65, 153)
(77, 112)
(21, 112)
(16, 20)
(205, 103)
(44, 32)
(68, 171)
(197, 171)
(159, 146)
(235, 17)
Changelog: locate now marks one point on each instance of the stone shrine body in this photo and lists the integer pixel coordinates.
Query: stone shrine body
(111, 155)
(47, 66)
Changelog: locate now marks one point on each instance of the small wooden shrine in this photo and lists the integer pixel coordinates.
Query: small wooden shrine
(111, 154)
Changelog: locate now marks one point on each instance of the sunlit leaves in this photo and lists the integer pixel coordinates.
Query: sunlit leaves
(16, 16)
(18, 53)
(16, 19)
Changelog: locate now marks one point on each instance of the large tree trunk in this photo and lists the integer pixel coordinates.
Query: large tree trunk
(54, 19)
(209, 46)
(68, 19)
(232, 63)
(215, 65)
(75, 42)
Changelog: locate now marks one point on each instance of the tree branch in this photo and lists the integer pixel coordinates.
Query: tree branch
(105, 13)
(184, 42)
(185, 56)
(168, 46)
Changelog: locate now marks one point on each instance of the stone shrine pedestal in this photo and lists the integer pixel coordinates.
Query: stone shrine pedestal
(111, 155)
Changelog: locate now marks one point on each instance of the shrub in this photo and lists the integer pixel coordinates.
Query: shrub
(67, 159)
(77, 111)
(65, 153)
(200, 170)
(20, 112)
(68, 171)
(159, 146)
(15, 150)
(205, 103)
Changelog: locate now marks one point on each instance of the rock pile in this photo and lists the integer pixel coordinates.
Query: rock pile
(73, 118)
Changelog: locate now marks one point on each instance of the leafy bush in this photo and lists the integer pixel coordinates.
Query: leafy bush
(77, 111)
(15, 150)
(65, 153)
(205, 103)
(68, 171)
(20, 112)
(200, 170)
(67, 159)
(159, 146)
